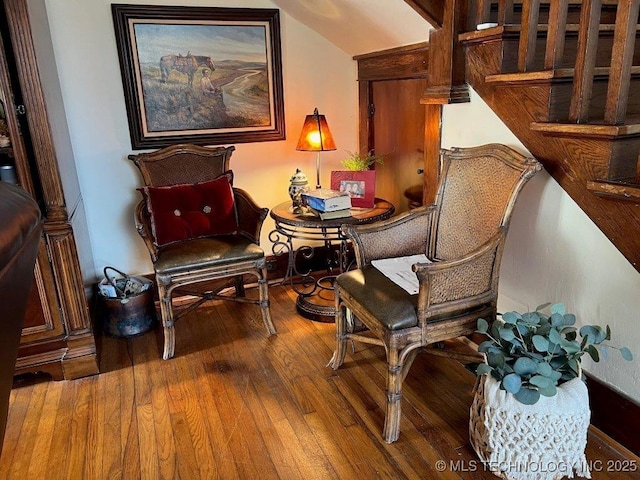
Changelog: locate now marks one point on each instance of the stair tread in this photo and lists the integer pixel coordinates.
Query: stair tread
(557, 74)
(499, 30)
(571, 27)
(620, 189)
(594, 129)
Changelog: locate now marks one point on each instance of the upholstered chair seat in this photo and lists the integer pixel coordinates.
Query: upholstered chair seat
(206, 252)
(391, 306)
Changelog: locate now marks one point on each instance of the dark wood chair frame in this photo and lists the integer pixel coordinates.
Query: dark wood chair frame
(460, 286)
(186, 163)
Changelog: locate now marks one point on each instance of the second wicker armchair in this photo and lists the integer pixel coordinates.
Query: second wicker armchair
(463, 234)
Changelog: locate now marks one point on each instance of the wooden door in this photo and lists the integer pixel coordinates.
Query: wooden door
(398, 133)
(392, 119)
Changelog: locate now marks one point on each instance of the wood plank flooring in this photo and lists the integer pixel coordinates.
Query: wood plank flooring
(237, 404)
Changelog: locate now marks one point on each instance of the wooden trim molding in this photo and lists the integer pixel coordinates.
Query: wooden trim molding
(409, 61)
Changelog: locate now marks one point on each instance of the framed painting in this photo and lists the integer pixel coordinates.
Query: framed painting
(360, 185)
(200, 75)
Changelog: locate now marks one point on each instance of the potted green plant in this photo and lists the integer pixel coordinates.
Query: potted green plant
(360, 162)
(530, 387)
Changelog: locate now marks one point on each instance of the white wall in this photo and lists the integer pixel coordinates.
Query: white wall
(315, 74)
(554, 253)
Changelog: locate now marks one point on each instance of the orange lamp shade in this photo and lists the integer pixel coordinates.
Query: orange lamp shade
(315, 135)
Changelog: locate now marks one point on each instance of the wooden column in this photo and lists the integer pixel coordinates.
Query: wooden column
(446, 58)
(432, 137)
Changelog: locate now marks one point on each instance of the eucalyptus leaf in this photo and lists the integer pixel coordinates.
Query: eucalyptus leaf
(626, 354)
(487, 346)
(573, 365)
(540, 381)
(541, 343)
(527, 396)
(569, 319)
(483, 368)
(496, 360)
(594, 333)
(557, 320)
(548, 391)
(539, 308)
(545, 369)
(534, 356)
(507, 334)
(512, 383)
(511, 317)
(525, 366)
(571, 347)
(531, 317)
(554, 336)
(555, 376)
(495, 329)
(483, 325)
(557, 308)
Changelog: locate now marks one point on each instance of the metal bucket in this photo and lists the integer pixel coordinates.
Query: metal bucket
(128, 308)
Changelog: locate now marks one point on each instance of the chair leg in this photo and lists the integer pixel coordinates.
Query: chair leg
(166, 311)
(341, 340)
(263, 288)
(396, 372)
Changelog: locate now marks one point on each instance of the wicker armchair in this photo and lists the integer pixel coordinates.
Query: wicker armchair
(181, 263)
(463, 233)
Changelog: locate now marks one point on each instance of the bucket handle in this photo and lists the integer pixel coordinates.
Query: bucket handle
(112, 280)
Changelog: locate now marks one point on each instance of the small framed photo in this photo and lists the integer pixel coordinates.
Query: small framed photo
(360, 185)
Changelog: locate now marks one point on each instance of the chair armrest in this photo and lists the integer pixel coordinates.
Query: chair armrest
(405, 234)
(450, 285)
(143, 227)
(250, 215)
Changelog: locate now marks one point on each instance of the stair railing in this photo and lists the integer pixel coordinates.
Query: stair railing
(619, 71)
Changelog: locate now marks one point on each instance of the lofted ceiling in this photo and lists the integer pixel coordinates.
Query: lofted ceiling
(360, 26)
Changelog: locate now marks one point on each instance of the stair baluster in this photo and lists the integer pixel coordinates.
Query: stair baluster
(528, 35)
(556, 34)
(621, 62)
(585, 60)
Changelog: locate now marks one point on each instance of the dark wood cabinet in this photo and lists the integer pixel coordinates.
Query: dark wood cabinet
(57, 337)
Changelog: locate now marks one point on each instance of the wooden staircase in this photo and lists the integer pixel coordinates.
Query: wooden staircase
(564, 76)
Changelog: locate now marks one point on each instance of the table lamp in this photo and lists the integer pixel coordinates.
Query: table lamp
(316, 137)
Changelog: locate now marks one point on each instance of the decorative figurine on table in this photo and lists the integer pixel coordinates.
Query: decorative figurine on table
(298, 184)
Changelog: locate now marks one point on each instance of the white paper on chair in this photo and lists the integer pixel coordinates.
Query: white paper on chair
(398, 270)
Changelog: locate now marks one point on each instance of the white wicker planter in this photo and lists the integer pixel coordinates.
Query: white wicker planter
(545, 441)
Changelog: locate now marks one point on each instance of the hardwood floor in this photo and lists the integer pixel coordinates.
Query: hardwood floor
(235, 403)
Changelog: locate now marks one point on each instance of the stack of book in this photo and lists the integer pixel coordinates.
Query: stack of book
(328, 204)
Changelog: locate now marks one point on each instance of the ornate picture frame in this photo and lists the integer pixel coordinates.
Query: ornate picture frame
(202, 75)
(361, 186)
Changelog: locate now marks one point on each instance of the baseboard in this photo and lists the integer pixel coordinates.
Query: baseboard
(614, 414)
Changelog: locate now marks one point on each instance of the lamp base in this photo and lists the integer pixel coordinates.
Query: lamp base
(318, 171)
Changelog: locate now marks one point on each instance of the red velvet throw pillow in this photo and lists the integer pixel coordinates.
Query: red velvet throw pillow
(185, 211)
